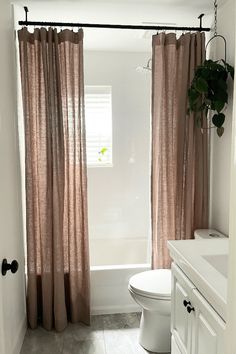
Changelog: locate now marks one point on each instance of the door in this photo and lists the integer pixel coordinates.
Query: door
(174, 346)
(12, 286)
(208, 329)
(181, 319)
(2, 341)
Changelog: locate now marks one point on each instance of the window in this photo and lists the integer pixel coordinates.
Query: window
(98, 118)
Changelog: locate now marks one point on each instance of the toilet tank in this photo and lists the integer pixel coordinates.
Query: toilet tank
(207, 234)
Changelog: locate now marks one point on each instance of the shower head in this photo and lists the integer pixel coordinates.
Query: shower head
(145, 68)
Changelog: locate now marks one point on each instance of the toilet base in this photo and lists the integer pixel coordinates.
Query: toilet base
(155, 333)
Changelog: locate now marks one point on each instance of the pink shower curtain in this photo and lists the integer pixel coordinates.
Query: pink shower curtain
(179, 149)
(56, 184)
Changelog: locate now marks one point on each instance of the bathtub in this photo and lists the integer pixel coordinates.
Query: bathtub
(113, 262)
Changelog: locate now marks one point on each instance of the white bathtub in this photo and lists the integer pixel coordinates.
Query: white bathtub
(113, 262)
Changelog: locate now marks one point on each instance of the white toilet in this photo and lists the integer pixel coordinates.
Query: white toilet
(152, 291)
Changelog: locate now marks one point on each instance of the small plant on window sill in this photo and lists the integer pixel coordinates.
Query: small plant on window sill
(102, 153)
(209, 92)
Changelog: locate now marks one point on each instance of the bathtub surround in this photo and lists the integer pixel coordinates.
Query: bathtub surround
(109, 288)
(56, 186)
(118, 196)
(179, 149)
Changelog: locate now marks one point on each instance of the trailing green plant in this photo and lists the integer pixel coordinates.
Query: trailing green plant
(209, 92)
(102, 153)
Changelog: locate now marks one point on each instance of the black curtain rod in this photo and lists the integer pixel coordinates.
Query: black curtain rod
(106, 25)
(111, 26)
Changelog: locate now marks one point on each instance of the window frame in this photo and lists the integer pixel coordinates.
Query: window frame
(100, 89)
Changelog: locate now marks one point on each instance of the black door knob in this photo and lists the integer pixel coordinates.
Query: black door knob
(190, 309)
(186, 303)
(13, 266)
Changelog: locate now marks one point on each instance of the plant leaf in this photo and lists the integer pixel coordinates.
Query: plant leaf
(220, 131)
(103, 150)
(221, 95)
(222, 84)
(201, 85)
(193, 94)
(218, 119)
(230, 70)
(219, 105)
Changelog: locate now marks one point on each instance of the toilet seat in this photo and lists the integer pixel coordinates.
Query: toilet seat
(152, 283)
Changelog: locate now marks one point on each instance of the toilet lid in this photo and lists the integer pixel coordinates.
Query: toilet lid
(153, 283)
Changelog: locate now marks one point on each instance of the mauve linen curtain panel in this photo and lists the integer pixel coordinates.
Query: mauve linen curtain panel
(179, 182)
(56, 183)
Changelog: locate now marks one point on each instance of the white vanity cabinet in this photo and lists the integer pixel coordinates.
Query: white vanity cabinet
(196, 327)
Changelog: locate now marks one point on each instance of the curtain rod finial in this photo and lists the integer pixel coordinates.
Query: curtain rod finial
(26, 13)
(200, 18)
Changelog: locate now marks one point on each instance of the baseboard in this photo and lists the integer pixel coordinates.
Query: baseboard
(19, 337)
(105, 310)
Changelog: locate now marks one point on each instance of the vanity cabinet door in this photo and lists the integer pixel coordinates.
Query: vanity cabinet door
(181, 320)
(174, 346)
(208, 328)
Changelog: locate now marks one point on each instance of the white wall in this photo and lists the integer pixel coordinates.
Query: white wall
(119, 196)
(230, 338)
(12, 287)
(221, 147)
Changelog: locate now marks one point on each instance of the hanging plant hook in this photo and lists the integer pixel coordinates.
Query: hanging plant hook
(216, 35)
(225, 44)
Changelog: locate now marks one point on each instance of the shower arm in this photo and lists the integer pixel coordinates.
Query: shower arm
(112, 26)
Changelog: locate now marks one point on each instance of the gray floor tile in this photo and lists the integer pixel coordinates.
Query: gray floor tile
(121, 333)
(121, 341)
(108, 334)
(43, 342)
(139, 314)
(74, 346)
(120, 320)
(94, 347)
(82, 332)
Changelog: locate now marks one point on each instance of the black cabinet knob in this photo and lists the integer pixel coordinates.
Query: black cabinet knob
(186, 303)
(13, 266)
(190, 309)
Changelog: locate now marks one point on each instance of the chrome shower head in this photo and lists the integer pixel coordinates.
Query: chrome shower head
(145, 68)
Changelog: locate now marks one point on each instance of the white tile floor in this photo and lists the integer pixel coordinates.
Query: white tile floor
(108, 334)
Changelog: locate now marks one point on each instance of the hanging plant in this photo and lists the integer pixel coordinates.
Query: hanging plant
(209, 92)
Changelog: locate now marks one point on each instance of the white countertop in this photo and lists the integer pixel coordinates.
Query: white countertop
(205, 264)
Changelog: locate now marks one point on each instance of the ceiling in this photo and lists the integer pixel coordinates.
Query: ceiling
(179, 12)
